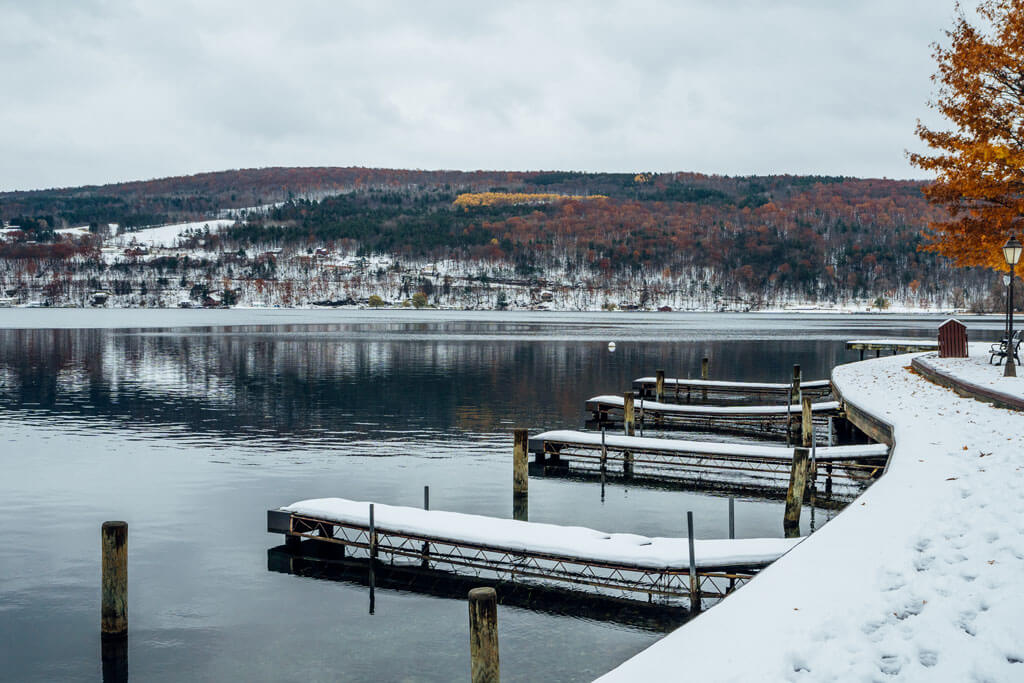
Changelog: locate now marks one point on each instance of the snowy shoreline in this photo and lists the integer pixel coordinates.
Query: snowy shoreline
(919, 578)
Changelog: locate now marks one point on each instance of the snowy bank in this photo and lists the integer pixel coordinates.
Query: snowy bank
(919, 578)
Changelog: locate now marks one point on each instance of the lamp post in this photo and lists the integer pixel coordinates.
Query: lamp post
(1011, 252)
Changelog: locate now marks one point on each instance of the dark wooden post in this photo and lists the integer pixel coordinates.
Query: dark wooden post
(704, 363)
(795, 494)
(794, 398)
(114, 604)
(425, 563)
(694, 579)
(483, 636)
(659, 385)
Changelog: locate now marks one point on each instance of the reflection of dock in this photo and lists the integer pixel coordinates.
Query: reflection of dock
(309, 562)
(689, 458)
(892, 345)
(760, 420)
(710, 392)
(620, 565)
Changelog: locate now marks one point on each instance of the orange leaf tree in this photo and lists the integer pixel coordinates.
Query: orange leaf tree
(979, 165)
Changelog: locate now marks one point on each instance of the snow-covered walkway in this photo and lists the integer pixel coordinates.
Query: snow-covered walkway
(921, 578)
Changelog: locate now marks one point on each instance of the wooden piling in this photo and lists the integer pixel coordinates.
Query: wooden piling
(628, 414)
(604, 455)
(520, 462)
(806, 422)
(732, 517)
(114, 604)
(425, 563)
(659, 385)
(795, 494)
(483, 636)
(795, 396)
(705, 362)
(694, 579)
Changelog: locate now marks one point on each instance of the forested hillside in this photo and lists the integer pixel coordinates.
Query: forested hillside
(468, 239)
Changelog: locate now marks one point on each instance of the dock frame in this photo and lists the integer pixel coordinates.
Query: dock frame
(665, 585)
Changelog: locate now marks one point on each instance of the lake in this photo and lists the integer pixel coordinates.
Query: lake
(189, 425)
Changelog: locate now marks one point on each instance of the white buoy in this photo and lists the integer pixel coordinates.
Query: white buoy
(611, 346)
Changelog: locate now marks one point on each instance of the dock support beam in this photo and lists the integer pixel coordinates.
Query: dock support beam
(795, 494)
(114, 610)
(795, 395)
(483, 636)
(659, 385)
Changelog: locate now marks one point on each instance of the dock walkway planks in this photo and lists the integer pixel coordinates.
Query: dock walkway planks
(859, 463)
(707, 392)
(623, 563)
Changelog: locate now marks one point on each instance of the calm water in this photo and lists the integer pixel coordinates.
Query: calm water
(191, 424)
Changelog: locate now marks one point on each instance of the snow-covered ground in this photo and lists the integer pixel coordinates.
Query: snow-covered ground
(167, 235)
(920, 578)
(977, 370)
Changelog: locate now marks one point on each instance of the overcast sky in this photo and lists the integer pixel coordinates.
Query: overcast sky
(96, 91)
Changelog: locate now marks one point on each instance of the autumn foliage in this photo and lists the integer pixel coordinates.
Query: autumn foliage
(472, 199)
(979, 164)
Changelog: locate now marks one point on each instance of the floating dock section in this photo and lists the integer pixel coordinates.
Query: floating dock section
(708, 392)
(620, 565)
(892, 345)
(765, 420)
(852, 463)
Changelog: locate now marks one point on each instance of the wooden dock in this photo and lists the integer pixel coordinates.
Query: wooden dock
(711, 392)
(764, 420)
(676, 457)
(894, 346)
(621, 565)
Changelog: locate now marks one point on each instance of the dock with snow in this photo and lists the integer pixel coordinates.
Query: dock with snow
(701, 459)
(712, 392)
(617, 565)
(893, 346)
(763, 420)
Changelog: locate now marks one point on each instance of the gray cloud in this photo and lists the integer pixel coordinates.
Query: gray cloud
(101, 91)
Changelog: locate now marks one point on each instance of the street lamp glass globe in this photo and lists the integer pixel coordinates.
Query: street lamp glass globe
(1011, 251)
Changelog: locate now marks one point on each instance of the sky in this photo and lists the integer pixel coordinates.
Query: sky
(97, 91)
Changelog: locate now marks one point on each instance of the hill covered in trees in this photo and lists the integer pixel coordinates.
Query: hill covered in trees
(637, 240)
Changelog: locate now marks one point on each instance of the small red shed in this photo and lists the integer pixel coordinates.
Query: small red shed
(952, 339)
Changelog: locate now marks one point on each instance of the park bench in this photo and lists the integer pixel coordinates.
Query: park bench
(1000, 349)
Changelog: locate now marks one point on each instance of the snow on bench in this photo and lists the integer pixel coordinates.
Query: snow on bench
(550, 539)
(657, 406)
(640, 443)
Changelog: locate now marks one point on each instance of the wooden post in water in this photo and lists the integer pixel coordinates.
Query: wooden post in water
(629, 425)
(483, 636)
(704, 363)
(520, 475)
(694, 579)
(604, 455)
(520, 462)
(795, 494)
(794, 397)
(425, 563)
(114, 603)
(732, 533)
(806, 422)
(659, 385)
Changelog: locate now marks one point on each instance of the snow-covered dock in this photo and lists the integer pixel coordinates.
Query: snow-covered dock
(919, 579)
(710, 392)
(764, 420)
(680, 457)
(620, 563)
(891, 345)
